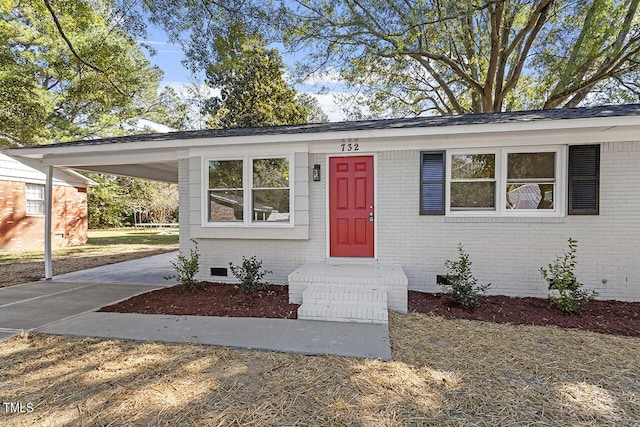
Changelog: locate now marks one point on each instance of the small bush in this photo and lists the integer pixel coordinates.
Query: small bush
(186, 268)
(566, 292)
(250, 274)
(460, 285)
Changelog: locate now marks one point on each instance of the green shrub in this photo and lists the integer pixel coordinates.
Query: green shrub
(566, 292)
(250, 274)
(460, 285)
(186, 268)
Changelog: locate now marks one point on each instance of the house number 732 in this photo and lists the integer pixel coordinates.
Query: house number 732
(349, 147)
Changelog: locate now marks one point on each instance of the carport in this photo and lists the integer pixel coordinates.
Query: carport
(136, 156)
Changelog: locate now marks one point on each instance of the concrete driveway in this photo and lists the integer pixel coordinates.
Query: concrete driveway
(33, 305)
(150, 271)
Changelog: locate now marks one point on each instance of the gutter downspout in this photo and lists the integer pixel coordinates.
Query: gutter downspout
(48, 207)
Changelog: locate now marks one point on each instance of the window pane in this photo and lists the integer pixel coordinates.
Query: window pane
(271, 173)
(35, 207)
(531, 165)
(473, 166)
(225, 174)
(35, 191)
(271, 205)
(473, 195)
(225, 205)
(530, 196)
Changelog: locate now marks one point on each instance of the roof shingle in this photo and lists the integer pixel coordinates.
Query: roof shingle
(414, 122)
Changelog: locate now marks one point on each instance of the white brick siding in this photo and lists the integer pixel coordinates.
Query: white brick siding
(389, 278)
(505, 251)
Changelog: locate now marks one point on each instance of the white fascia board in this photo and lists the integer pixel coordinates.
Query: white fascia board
(79, 176)
(33, 171)
(97, 157)
(143, 149)
(551, 137)
(275, 148)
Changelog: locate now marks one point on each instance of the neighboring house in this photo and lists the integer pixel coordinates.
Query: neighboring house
(511, 187)
(22, 207)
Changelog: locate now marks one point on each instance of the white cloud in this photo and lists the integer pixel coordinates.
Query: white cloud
(330, 77)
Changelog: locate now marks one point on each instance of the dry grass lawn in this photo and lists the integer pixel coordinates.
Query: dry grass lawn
(444, 372)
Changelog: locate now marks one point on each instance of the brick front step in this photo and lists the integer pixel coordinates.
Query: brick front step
(344, 304)
(349, 279)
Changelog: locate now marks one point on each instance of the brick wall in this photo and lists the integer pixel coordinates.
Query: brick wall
(508, 252)
(505, 251)
(22, 232)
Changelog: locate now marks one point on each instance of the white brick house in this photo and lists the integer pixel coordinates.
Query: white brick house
(511, 187)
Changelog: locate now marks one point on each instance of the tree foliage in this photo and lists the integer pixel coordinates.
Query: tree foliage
(68, 70)
(253, 91)
(168, 108)
(442, 56)
(118, 201)
(230, 39)
(199, 26)
(456, 56)
(315, 114)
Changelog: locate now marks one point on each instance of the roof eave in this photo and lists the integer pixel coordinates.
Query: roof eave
(392, 132)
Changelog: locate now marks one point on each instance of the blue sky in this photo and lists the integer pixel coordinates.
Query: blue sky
(169, 56)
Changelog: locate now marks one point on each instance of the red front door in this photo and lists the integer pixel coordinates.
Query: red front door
(351, 206)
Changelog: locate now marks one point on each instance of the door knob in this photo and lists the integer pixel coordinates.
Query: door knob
(370, 216)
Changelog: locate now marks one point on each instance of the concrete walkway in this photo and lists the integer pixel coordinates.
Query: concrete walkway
(292, 336)
(67, 306)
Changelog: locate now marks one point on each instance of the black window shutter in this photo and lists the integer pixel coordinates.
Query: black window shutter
(584, 179)
(432, 183)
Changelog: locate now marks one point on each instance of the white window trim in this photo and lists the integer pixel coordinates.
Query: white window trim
(27, 199)
(471, 212)
(247, 187)
(501, 183)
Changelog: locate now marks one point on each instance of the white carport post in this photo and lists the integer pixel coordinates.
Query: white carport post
(48, 207)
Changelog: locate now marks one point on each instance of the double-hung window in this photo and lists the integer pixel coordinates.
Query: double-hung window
(35, 199)
(226, 190)
(531, 181)
(270, 191)
(503, 181)
(249, 191)
(473, 182)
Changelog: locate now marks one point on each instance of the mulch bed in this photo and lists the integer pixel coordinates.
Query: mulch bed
(609, 316)
(216, 299)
